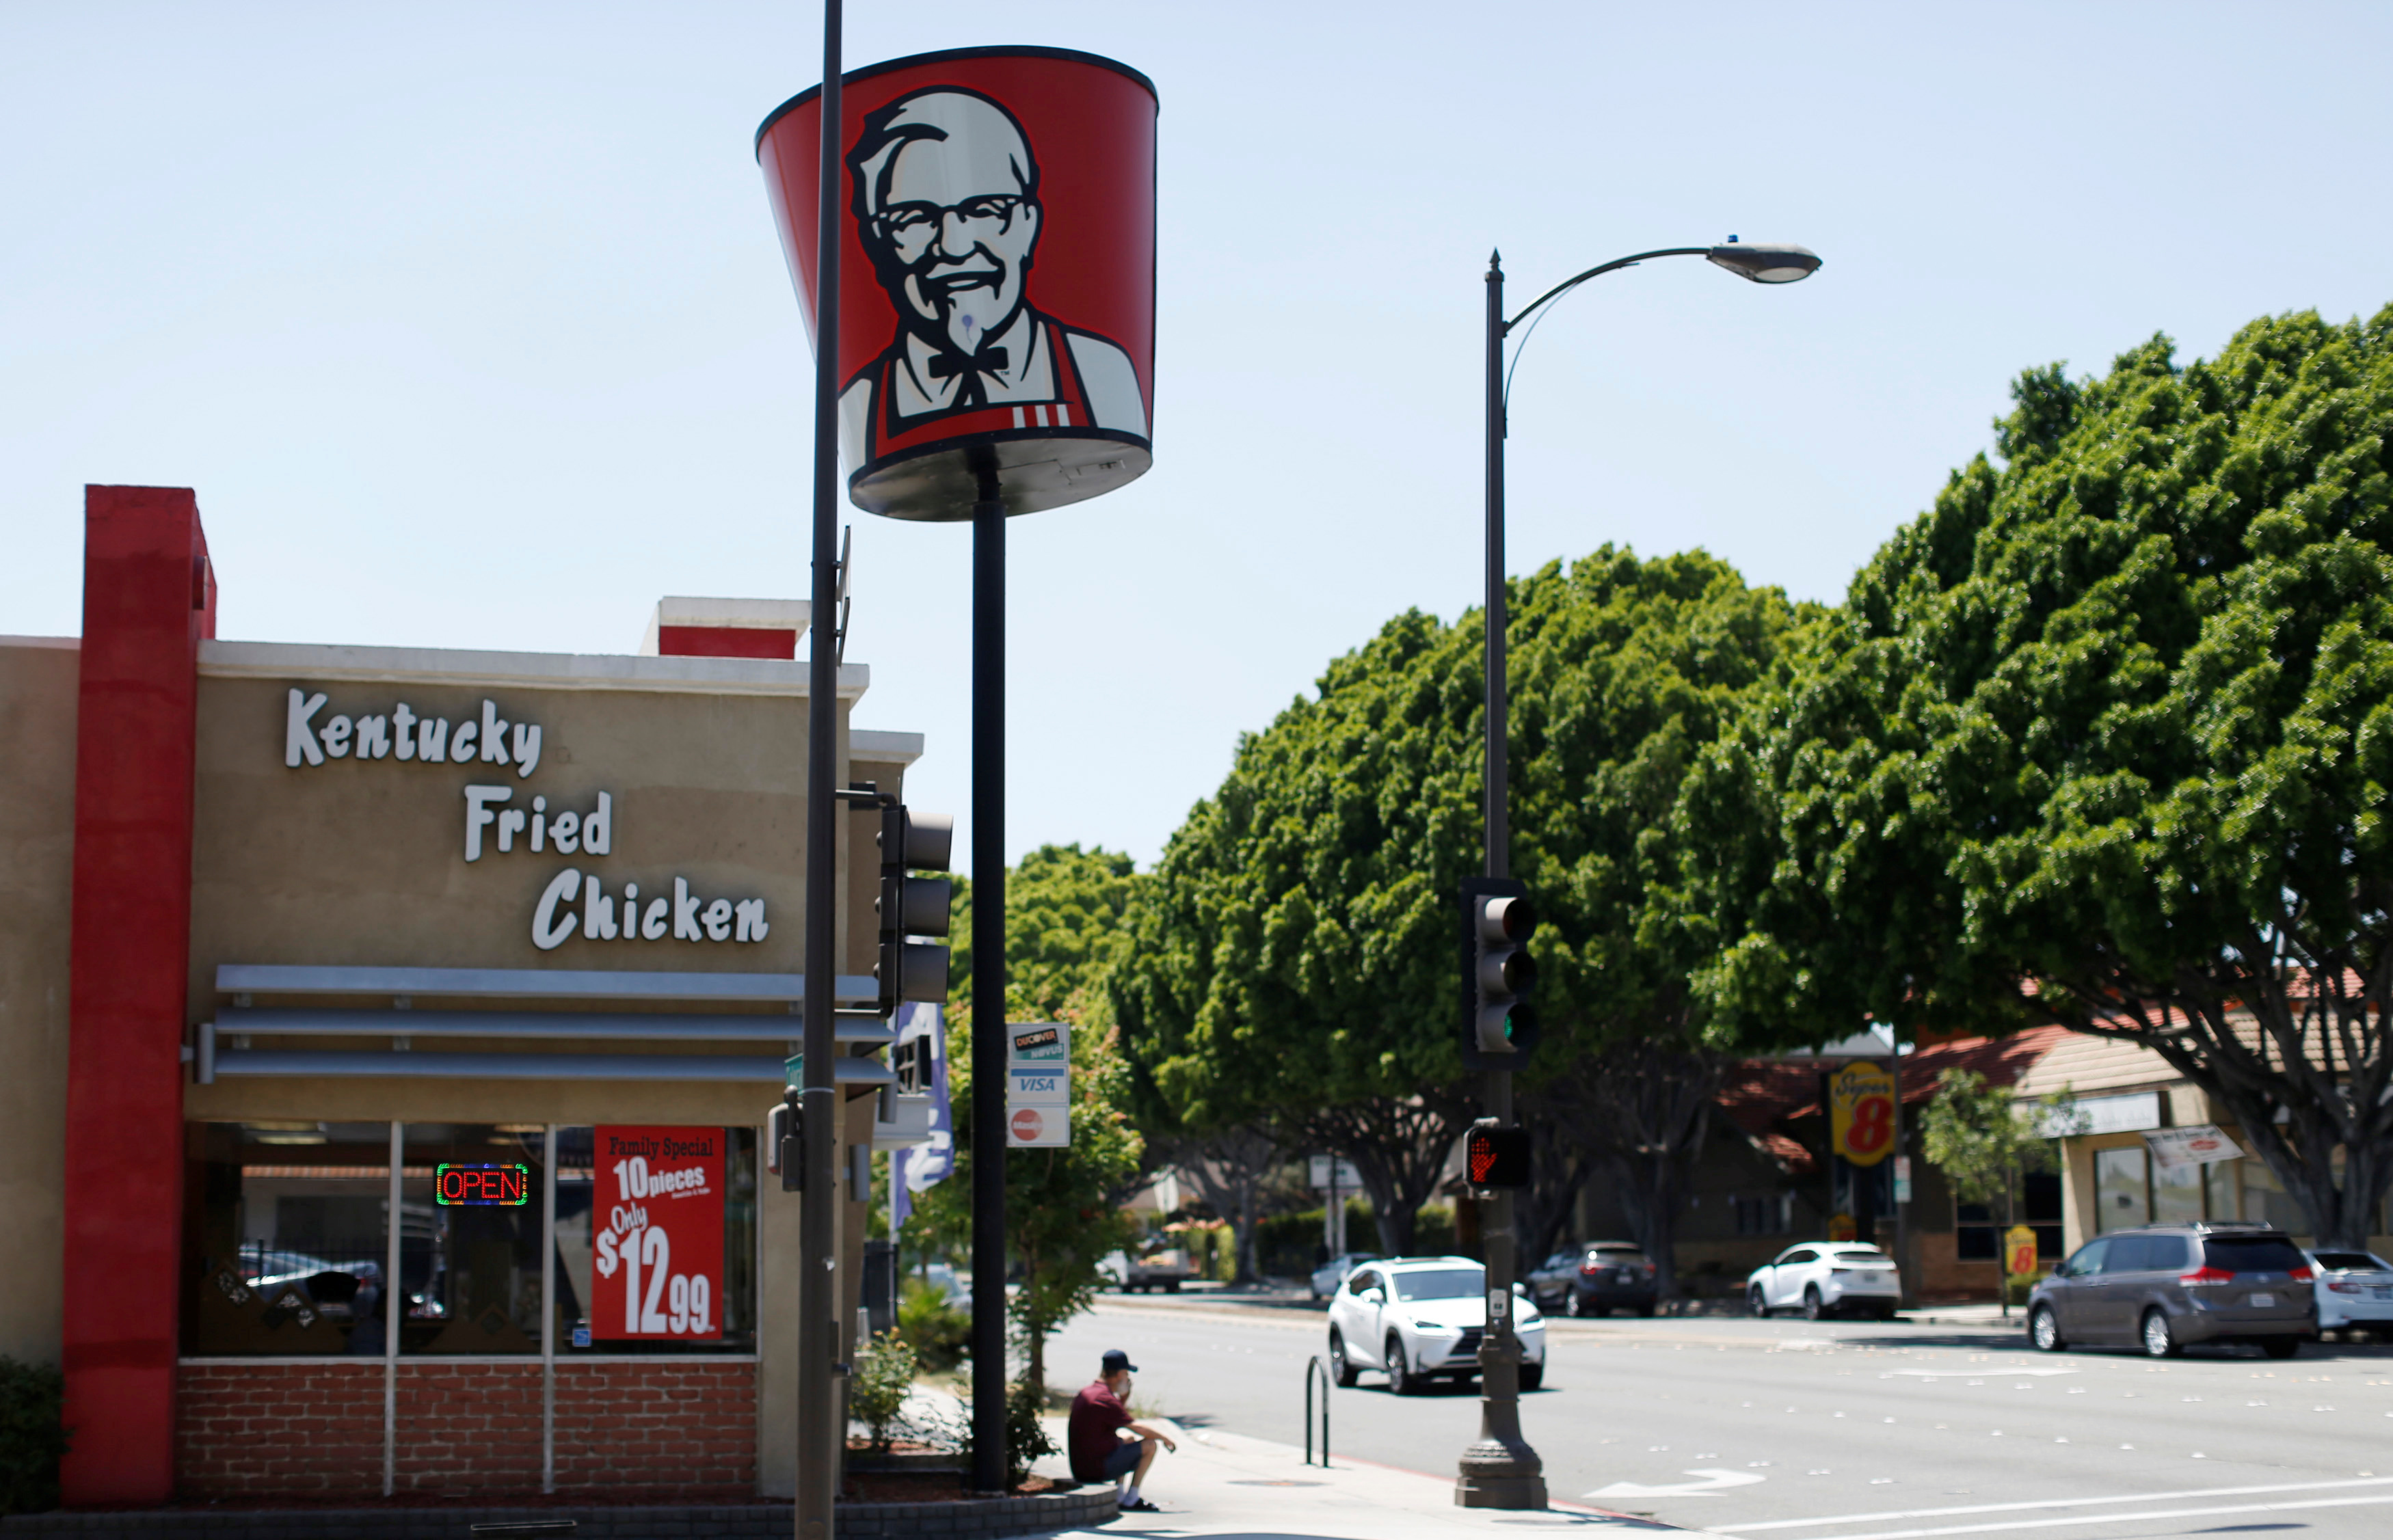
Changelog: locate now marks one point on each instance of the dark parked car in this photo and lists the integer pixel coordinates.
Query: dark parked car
(1595, 1279)
(2164, 1286)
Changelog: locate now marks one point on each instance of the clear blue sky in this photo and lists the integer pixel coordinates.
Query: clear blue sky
(470, 326)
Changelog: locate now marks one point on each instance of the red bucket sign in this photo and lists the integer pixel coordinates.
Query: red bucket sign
(997, 274)
(657, 1240)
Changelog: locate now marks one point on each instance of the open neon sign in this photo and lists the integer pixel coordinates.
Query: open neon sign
(485, 1186)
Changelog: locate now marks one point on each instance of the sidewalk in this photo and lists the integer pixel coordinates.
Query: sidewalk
(1231, 1487)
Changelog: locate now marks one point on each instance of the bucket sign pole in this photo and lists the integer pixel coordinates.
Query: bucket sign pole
(1001, 361)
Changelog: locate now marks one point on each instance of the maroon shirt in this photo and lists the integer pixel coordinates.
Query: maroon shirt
(1098, 1418)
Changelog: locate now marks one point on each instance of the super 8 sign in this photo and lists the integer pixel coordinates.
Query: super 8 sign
(1861, 1107)
(997, 274)
(656, 1234)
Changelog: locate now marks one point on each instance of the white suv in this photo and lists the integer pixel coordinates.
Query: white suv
(1417, 1317)
(1822, 1276)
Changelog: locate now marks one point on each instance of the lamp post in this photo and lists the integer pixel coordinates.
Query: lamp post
(1501, 1470)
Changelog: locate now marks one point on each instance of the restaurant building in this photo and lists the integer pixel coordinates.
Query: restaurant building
(386, 1036)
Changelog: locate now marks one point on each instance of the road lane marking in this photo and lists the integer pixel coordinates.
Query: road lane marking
(1963, 1374)
(1713, 1482)
(2140, 1516)
(2049, 1503)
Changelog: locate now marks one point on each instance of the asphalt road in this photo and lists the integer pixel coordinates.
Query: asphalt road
(1796, 1431)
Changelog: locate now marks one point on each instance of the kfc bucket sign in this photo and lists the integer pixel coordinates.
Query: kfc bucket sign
(656, 1234)
(997, 293)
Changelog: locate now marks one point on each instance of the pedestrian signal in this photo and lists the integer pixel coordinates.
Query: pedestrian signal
(1494, 1156)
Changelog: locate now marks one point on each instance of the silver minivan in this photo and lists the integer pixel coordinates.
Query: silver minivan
(2164, 1286)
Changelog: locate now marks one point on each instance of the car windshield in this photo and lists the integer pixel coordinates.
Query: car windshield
(2351, 1261)
(2251, 1254)
(1446, 1283)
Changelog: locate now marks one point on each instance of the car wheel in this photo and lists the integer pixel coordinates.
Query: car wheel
(1533, 1376)
(2043, 1329)
(1172, 1287)
(1341, 1368)
(1812, 1306)
(1757, 1303)
(2159, 1341)
(1579, 1304)
(1402, 1381)
(2280, 1347)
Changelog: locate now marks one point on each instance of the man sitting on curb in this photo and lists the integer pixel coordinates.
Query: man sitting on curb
(1100, 1417)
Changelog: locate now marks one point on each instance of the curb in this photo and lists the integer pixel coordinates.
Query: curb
(964, 1519)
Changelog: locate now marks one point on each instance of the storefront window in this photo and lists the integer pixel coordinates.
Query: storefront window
(469, 1246)
(2121, 1197)
(289, 1229)
(691, 1302)
(286, 1237)
(2176, 1194)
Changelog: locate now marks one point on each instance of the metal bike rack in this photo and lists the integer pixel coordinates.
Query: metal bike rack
(1313, 1366)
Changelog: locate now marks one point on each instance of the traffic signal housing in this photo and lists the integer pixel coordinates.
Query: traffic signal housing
(785, 1140)
(1500, 1026)
(1495, 1155)
(910, 907)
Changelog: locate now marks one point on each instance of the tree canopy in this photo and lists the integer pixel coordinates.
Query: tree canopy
(1295, 954)
(2105, 736)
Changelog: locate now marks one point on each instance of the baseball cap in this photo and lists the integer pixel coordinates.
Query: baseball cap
(1116, 1361)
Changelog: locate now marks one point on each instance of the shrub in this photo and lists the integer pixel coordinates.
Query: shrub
(938, 1329)
(1026, 1431)
(32, 1435)
(885, 1373)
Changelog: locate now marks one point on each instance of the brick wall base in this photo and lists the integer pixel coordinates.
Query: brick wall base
(662, 1431)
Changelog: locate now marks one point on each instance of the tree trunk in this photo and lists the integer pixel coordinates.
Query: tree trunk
(1648, 1112)
(1560, 1164)
(1398, 1147)
(2279, 1024)
(1225, 1168)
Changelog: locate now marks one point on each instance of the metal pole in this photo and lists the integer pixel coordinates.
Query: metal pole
(549, 1317)
(988, 986)
(1499, 1470)
(1498, 792)
(821, 1433)
(1905, 1292)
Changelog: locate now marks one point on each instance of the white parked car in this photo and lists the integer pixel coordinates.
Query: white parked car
(1417, 1318)
(1825, 1277)
(2355, 1292)
(1329, 1274)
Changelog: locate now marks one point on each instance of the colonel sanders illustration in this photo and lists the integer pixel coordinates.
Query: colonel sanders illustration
(946, 194)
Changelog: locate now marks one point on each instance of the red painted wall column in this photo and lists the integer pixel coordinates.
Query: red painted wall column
(149, 599)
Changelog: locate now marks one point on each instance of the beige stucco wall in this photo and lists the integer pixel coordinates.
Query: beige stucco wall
(352, 864)
(38, 679)
(363, 863)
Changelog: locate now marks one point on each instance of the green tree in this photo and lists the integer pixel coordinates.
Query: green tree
(1062, 1206)
(1065, 928)
(2104, 737)
(1294, 958)
(1985, 1142)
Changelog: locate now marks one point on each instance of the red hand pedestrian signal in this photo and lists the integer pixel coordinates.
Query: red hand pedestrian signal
(1496, 1156)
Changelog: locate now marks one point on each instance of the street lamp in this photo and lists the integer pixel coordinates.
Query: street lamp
(1501, 1470)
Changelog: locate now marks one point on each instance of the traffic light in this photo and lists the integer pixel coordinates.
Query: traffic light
(785, 1141)
(1496, 1156)
(911, 907)
(1499, 1027)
